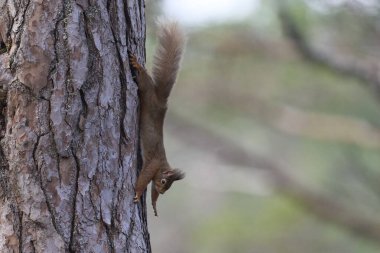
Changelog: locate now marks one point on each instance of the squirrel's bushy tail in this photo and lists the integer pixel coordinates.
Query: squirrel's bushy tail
(171, 43)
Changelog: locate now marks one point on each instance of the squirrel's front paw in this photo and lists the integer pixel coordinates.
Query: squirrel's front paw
(136, 198)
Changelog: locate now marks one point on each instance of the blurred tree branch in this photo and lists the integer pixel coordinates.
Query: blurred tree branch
(369, 75)
(309, 124)
(319, 204)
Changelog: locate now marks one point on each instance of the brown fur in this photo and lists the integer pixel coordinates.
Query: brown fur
(154, 93)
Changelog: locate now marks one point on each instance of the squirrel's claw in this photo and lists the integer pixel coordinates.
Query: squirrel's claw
(154, 208)
(134, 62)
(136, 199)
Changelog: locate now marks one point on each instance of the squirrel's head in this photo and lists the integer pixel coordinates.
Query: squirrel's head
(166, 179)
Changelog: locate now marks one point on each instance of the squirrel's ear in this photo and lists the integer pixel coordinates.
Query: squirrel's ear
(177, 174)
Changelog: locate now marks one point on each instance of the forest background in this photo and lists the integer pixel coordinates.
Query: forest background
(276, 120)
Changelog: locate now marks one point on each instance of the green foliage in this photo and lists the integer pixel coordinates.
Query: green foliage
(300, 12)
(243, 222)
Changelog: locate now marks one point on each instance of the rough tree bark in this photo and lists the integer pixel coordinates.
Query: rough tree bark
(69, 126)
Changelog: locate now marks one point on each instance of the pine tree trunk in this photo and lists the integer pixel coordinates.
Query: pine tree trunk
(69, 126)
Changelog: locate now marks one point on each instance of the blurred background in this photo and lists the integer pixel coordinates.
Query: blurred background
(276, 120)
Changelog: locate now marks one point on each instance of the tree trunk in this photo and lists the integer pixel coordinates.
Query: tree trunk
(69, 126)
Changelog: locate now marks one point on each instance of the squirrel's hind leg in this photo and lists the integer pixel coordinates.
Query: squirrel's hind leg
(143, 79)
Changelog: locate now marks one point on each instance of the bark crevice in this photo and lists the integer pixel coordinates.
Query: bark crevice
(20, 238)
(18, 34)
(75, 195)
(43, 188)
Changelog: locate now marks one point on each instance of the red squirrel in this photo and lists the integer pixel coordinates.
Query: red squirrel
(154, 93)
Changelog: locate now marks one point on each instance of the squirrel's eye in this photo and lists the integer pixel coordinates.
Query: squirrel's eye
(163, 181)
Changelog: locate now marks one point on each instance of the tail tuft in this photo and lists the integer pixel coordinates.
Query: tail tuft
(171, 44)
